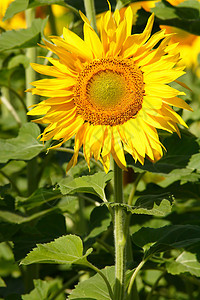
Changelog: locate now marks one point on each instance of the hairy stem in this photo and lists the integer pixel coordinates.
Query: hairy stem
(31, 54)
(120, 238)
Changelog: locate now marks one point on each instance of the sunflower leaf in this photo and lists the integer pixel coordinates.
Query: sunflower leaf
(93, 184)
(184, 16)
(154, 205)
(185, 262)
(14, 8)
(94, 287)
(64, 250)
(23, 147)
(45, 290)
(167, 237)
(38, 198)
(23, 38)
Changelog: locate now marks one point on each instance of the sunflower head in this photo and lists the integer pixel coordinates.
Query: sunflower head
(111, 92)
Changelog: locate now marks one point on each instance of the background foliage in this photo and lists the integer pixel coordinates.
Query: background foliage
(43, 211)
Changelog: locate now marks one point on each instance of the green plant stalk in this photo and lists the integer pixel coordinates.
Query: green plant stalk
(31, 53)
(32, 271)
(129, 297)
(90, 13)
(52, 20)
(133, 292)
(119, 237)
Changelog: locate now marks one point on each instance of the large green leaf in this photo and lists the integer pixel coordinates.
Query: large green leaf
(94, 288)
(45, 290)
(184, 16)
(23, 147)
(11, 217)
(167, 237)
(185, 262)
(38, 198)
(23, 38)
(64, 250)
(93, 184)
(154, 205)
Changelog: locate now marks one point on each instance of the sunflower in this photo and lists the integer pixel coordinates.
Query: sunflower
(111, 92)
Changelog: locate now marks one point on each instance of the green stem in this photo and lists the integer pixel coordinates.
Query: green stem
(120, 237)
(126, 233)
(104, 278)
(31, 54)
(90, 13)
(32, 271)
(129, 297)
(52, 21)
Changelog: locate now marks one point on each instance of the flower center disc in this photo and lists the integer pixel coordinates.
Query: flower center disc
(109, 91)
(106, 89)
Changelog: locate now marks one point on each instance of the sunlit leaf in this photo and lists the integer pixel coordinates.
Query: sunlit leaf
(155, 205)
(45, 290)
(64, 250)
(14, 8)
(94, 287)
(23, 147)
(23, 38)
(186, 262)
(93, 184)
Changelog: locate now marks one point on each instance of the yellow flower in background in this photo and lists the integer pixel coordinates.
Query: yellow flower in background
(16, 22)
(189, 44)
(110, 92)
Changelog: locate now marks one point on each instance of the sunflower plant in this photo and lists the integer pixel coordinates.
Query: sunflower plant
(99, 152)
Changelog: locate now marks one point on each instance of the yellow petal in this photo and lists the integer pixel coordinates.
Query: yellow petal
(161, 90)
(93, 41)
(178, 102)
(117, 150)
